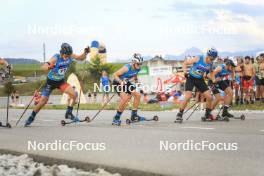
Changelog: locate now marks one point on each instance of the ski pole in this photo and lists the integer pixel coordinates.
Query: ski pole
(191, 107)
(28, 105)
(102, 107)
(79, 99)
(193, 111)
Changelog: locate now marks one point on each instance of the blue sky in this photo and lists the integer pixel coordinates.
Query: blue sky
(128, 26)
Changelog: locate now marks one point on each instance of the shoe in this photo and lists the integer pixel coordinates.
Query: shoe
(116, 122)
(208, 114)
(70, 116)
(227, 114)
(179, 117)
(137, 118)
(29, 121)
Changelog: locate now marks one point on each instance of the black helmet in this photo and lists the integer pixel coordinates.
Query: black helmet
(66, 49)
(230, 62)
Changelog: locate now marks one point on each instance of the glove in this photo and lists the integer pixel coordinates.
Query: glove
(8, 66)
(87, 50)
(51, 67)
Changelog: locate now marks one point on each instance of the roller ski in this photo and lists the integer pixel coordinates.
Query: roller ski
(7, 125)
(74, 119)
(140, 119)
(212, 118)
(226, 114)
(209, 117)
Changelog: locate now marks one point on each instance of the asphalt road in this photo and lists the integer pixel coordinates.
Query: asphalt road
(137, 146)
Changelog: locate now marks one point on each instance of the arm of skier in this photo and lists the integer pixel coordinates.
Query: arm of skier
(49, 65)
(120, 72)
(82, 56)
(212, 74)
(189, 62)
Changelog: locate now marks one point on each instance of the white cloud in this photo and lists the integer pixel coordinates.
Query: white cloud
(249, 2)
(240, 24)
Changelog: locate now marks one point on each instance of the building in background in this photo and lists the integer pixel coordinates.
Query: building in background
(159, 68)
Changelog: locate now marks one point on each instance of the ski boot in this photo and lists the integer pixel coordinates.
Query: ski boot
(116, 122)
(137, 118)
(179, 118)
(70, 116)
(30, 119)
(227, 114)
(208, 116)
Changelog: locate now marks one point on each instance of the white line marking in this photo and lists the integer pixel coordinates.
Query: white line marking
(261, 130)
(201, 128)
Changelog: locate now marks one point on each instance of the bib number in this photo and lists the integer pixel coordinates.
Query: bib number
(62, 71)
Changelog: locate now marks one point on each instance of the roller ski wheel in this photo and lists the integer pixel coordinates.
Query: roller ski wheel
(87, 119)
(128, 121)
(63, 123)
(8, 125)
(242, 117)
(156, 118)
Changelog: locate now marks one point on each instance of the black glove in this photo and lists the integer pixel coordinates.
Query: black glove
(87, 50)
(8, 66)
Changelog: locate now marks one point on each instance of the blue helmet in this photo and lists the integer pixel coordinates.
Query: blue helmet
(212, 52)
(66, 49)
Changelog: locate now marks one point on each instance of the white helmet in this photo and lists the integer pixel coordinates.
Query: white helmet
(233, 58)
(260, 54)
(137, 58)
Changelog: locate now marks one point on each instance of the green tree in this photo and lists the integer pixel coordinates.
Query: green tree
(8, 88)
(95, 69)
(71, 69)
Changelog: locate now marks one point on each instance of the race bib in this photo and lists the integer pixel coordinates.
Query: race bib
(62, 71)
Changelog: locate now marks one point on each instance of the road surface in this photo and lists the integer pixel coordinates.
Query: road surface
(138, 146)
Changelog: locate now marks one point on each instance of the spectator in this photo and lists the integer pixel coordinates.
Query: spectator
(89, 97)
(105, 83)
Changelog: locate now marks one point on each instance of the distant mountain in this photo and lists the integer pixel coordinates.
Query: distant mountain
(196, 51)
(193, 51)
(21, 61)
(251, 53)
